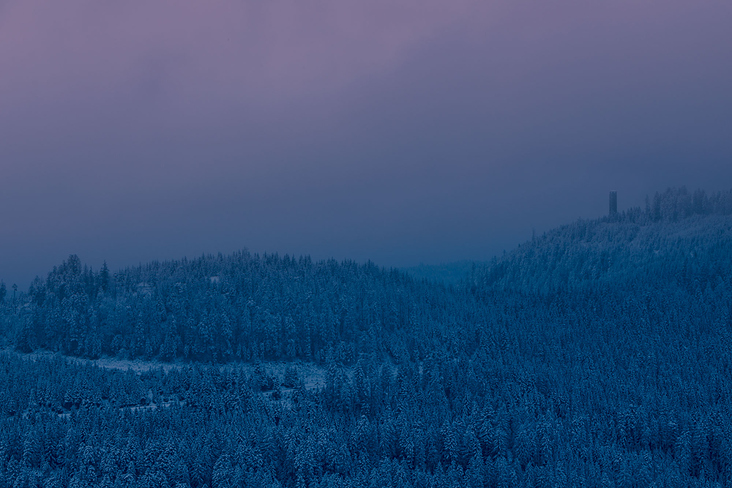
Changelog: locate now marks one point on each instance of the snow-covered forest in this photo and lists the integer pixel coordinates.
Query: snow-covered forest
(597, 354)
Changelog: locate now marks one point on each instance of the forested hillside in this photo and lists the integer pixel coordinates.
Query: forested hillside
(599, 354)
(681, 240)
(240, 307)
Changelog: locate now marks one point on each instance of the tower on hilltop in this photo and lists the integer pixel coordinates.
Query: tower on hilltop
(613, 203)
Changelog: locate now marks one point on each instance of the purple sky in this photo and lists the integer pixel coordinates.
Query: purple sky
(398, 131)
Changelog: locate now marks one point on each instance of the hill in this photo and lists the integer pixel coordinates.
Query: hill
(239, 307)
(679, 241)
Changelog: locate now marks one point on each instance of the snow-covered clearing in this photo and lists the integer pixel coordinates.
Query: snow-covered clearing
(312, 375)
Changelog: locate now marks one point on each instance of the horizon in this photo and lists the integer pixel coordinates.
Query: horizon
(122, 267)
(410, 269)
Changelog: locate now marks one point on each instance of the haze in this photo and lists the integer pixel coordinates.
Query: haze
(396, 131)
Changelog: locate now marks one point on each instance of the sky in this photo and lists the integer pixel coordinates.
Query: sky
(400, 131)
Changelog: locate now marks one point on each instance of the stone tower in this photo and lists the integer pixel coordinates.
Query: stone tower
(613, 203)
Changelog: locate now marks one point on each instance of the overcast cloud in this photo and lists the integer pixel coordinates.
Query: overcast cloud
(397, 131)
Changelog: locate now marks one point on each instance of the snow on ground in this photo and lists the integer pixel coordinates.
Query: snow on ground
(313, 375)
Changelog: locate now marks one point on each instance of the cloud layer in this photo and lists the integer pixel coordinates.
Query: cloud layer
(400, 131)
